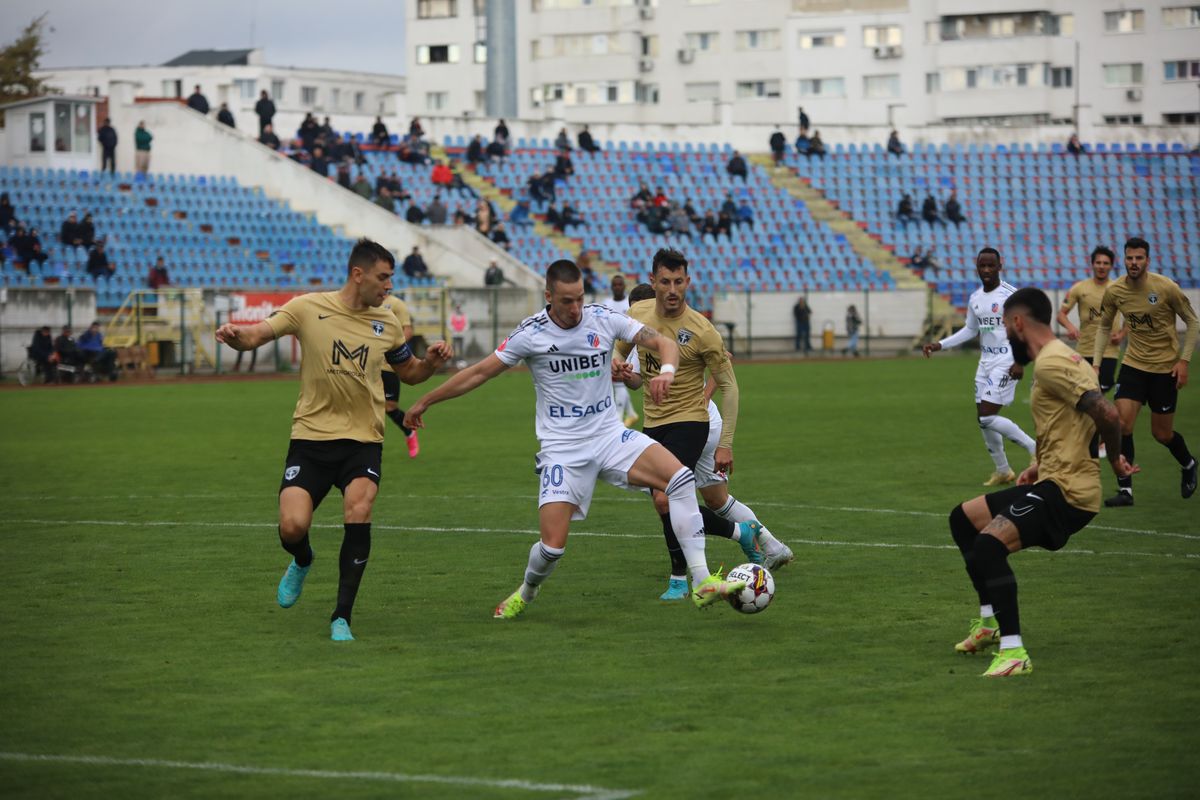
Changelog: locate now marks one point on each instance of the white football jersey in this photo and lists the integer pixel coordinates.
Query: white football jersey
(985, 319)
(620, 306)
(572, 371)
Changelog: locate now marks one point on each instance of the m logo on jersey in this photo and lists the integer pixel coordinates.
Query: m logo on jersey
(357, 355)
(593, 339)
(684, 336)
(1153, 298)
(377, 327)
(1140, 320)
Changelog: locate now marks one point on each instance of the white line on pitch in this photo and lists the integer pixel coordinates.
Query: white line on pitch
(122, 523)
(584, 792)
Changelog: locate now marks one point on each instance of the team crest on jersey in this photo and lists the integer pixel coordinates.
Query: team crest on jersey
(995, 308)
(684, 336)
(593, 339)
(1153, 298)
(625, 437)
(291, 472)
(377, 327)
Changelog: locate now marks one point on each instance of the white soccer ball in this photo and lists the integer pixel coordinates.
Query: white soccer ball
(759, 591)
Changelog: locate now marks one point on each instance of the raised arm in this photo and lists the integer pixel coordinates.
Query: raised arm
(963, 335)
(668, 357)
(468, 380)
(245, 337)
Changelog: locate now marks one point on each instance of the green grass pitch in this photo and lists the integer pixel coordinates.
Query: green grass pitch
(141, 647)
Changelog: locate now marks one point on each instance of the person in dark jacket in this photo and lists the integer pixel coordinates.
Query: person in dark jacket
(66, 349)
(197, 101)
(225, 116)
(414, 265)
(415, 214)
(954, 210)
(379, 133)
(778, 145)
(737, 166)
(265, 109)
(803, 121)
(158, 275)
(107, 136)
(894, 145)
(40, 350)
(268, 137)
(929, 210)
(475, 150)
(97, 264)
(69, 234)
(501, 131)
(87, 231)
(586, 142)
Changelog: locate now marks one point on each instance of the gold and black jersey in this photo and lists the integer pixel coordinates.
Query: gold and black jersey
(1089, 297)
(1064, 433)
(1151, 308)
(342, 353)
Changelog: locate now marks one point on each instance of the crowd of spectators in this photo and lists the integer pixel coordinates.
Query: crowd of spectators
(661, 215)
(951, 211)
(64, 357)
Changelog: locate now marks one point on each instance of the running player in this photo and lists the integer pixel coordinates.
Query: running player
(337, 429)
(1156, 363)
(997, 376)
(567, 348)
(620, 304)
(1054, 498)
(391, 381)
(1088, 294)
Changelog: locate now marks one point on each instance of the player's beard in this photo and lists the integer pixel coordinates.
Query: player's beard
(1020, 351)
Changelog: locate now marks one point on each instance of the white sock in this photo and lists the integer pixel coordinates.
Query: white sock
(1009, 642)
(986, 611)
(679, 577)
(542, 560)
(995, 447)
(736, 511)
(687, 522)
(1011, 431)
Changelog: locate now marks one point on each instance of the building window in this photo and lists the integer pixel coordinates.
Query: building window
(933, 32)
(172, 88)
(1181, 17)
(1123, 119)
(308, 96)
(535, 49)
(1060, 77)
(1122, 74)
(823, 87)
(702, 92)
(933, 82)
(481, 52)
(82, 138)
(812, 41)
(757, 40)
(611, 93)
(650, 46)
(1188, 118)
(480, 101)
(246, 88)
(436, 9)
(876, 87)
(647, 94)
(1124, 21)
(706, 41)
(588, 44)
(882, 36)
(276, 90)
(757, 90)
(1065, 25)
(436, 101)
(360, 100)
(437, 54)
(1181, 70)
(37, 133)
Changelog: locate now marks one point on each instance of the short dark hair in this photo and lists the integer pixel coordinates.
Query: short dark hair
(643, 291)
(991, 250)
(670, 258)
(1101, 250)
(562, 271)
(1032, 300)
(366, 254)
(1137, 243)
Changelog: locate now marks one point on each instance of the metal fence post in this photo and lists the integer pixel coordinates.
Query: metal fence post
(867, 320)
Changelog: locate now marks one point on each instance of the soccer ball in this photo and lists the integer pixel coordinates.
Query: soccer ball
(759, 591)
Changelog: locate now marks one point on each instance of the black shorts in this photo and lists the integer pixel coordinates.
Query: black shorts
(685, 440)
(1108, 374)
(1156, 389)
(391, 386)
(1041, 514)
(317, 467)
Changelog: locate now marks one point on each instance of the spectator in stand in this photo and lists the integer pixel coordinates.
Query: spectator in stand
(778, 145)
(437, 211)
(475, 150)
(343, 175)
(815, 146)
(299, 154)
(309, 129)
(677, 220)
(563, 168)
(8, 214)
(562, 142)
(326, 130)
(97, 263)
(197, 101)
(441, 175)
(415, 131)
(745, 213)
(459, 325)
(853, 323)
(501, 131)
(93, 352)
(362, 186)
(691, 212)
(918, 261)
(584, 263)
(65, 348)
(642, 199)
(494, 276)
(660, 199)
(497, 149)
(737, 166)
(415, 214)
(586, 143)
(571, 215)
(1075, 147)
(803, 145)
(554, 219)
(141, 142)
(225, 116)
(70, 234)
(484, 219)
(499, 236)
(268, 137)
(41, 350)
(265, 109)
(954, 210)
(107, 137)
(519, 216)
(905, 211)
(931, 262)
(87, 231)
(28, 246)
(802, 317)
(724, 223)
(655, 219)
(547, 186)
(379, 133)
(708, 226)
(319, 163)
(894, 146)
(158, 275)
(929, 210)
(803, 121)
(728, 208)
(384, 200)
(414, 265)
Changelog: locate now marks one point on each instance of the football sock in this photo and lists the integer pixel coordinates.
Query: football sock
(1009, 642)
(542, 560)
(678, 563)
(1179, 449)
(396, 415)
(717, 526)
(300, 550)
(991, 556)
(986, 611)
(964, 534)
(995, 446)
(736, 511)
(352, 562)
(687, 522)
(1126, 483)
(1011, 431)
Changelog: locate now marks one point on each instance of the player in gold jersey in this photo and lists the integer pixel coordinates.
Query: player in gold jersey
(346, 337)
(1088, 295)
(1156, 362)
(1054, 498)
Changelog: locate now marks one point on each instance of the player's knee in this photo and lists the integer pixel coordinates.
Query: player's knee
(681, 485)
(292, 529)
(661, 504)
(986, 422)
(1162, 436)
(989, 550)
(358, 511)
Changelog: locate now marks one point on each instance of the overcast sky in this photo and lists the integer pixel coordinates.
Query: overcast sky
(302, 33)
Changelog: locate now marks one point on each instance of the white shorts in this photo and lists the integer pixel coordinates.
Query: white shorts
(567, 473)
(993, 383)
(706, 467)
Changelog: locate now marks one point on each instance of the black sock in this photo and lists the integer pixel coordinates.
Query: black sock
(397, 416)
(716, 525)
(1179, 449)
(678, 562)
(964, 533)
(352, 562)
(300, 550)
(991, 556)
(1127, 451)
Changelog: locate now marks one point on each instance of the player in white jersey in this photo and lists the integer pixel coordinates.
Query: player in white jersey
(620, 303)
(568, 348)
(997, 375)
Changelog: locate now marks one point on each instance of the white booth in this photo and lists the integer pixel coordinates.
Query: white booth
(55, 131)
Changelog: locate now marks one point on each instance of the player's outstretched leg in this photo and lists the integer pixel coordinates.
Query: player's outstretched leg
(991, 558)
(1162, 426)
(677, 585)
(689, 530)
(994, 442)
(775, 554)
(295, 517)
(554, 520)
(352, 563)
(985, 631)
